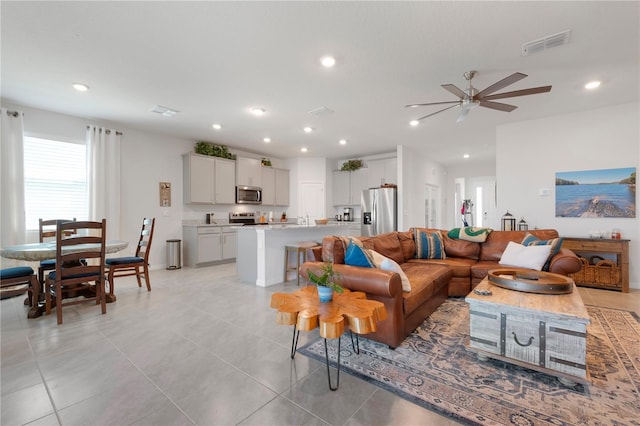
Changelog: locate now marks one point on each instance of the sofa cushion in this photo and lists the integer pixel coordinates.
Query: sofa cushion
(408, 244)
(496, 242)
(358, 256)
(423, 283)
(429, 245)
(531, 257)
(470, 233)
(460, 267)
(387, 245)
(460, 248)
(555, 243)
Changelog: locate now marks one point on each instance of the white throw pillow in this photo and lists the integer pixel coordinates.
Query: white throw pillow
(386, 264)
(531, 257)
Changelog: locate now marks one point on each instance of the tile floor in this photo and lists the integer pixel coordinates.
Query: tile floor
(201, 348)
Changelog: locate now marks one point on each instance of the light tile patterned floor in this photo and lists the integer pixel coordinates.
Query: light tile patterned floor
(201, 348)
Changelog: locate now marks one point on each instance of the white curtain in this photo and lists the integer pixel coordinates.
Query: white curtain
(103, 169)
(12, 214)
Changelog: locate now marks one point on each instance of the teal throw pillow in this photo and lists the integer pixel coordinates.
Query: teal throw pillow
(358, 256)
(555, 243)
(429, 245)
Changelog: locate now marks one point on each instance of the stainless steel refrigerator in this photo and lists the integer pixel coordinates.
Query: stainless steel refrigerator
(379, 211)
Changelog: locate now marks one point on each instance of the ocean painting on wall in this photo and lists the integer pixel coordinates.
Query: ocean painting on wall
(596, 193)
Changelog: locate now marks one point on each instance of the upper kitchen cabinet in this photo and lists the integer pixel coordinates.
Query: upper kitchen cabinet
(382, 172)
(348, 186)
(275, 186)
(208, 180)
(248, 172)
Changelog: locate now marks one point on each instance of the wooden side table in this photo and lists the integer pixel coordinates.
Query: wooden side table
(304, 311)
(594, 276)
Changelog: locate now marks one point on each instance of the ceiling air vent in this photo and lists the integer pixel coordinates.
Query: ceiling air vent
(544, 43)
(167, 112)
(318, 112)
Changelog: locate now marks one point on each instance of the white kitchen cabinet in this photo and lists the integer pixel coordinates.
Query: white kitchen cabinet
(348, 186)
(275, 186)
(208, 180)
(197, 178)
(225, 185)
(248, 172)
(359, 181)
(268, 186)
(383, 171)
(341, 188)
(206, 245)
(229, 243)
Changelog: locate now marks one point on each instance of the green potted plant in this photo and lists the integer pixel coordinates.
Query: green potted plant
(265, 162)
(326, 282)
(351, 165)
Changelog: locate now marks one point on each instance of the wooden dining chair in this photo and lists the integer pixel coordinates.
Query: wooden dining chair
(47, 232)
(18, 280)
(137, 265)
(79, 261)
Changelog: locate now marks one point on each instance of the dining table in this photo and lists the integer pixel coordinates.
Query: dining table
(36, 252)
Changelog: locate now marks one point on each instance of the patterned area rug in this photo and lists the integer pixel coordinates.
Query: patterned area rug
(432, 368)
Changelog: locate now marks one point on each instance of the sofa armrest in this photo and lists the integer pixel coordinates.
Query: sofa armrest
(372, 281)
(565, 262)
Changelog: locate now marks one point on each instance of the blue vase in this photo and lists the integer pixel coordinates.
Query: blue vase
(325, 293)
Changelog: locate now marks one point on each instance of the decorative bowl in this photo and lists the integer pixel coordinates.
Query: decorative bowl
(322, 221)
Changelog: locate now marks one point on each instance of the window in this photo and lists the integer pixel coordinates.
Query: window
(55, 180)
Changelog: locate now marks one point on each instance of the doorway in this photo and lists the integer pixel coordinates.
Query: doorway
(482, 192)
(432, 206)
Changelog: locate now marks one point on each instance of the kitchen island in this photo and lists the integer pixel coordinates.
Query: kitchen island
(260, 254)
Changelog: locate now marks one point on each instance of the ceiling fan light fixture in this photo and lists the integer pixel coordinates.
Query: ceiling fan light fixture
(592, 85)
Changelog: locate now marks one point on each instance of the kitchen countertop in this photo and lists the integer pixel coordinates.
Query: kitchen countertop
(272, 225)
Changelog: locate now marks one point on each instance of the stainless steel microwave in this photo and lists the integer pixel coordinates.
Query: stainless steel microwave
(248, 195)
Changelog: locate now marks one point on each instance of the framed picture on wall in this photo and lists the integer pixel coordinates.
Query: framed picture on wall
(596, 193)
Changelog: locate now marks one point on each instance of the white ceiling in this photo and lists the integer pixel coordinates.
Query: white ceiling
(212, 61)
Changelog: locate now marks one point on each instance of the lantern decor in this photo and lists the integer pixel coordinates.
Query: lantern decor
(508, 222)
(522, 225)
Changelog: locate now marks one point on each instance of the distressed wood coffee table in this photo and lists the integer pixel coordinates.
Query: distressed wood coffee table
(305, 312)
(542, 332)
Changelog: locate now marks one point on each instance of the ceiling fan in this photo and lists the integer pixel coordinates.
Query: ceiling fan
(472, 98)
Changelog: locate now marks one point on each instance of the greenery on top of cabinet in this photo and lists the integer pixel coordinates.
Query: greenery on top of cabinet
(207, 148)
(351, 165)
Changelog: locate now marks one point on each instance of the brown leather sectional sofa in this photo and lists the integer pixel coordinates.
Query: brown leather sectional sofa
(432, 280)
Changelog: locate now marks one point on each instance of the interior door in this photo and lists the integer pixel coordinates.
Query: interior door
(432, 206)
(482, 192)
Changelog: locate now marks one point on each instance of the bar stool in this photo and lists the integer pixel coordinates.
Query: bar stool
(298, 249)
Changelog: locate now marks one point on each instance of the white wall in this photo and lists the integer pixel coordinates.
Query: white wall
(146, 160)
(415, 170)
(530, 153)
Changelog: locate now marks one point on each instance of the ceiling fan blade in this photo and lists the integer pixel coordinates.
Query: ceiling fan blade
(438, 112)
(455, 90)
(500, 84)
(431, 103)
(497, 105)
(523, 92)
(462, 114)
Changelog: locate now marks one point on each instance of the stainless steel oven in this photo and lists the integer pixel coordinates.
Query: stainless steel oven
(248, 195)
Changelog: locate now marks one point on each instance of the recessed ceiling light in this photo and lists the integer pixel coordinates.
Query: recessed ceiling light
(303, 149)
(258, 111)
(308, 129)
(592, 85)
(217, 126)
(343, 141)
(266, 140)
(414, 123)
(80, 87)
(465, 156)
(328, 61)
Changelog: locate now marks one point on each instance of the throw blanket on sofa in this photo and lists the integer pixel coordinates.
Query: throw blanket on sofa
(470, 233)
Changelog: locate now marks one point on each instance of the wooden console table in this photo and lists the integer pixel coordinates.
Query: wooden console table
(594, 275)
